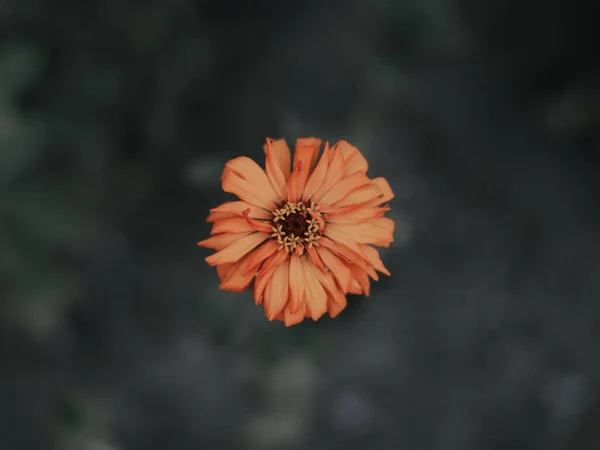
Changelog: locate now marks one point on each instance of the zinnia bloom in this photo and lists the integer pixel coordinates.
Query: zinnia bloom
(304, 236)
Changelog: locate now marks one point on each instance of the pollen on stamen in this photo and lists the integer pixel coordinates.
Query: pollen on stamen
(296, 225)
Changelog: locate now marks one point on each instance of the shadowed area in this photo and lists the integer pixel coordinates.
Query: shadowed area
(116, 119)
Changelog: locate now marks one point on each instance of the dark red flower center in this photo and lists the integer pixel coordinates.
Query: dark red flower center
(295, 223)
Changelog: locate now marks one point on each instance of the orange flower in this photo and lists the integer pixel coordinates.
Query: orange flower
(305, 236)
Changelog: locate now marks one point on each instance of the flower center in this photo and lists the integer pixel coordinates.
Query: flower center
(296, 225)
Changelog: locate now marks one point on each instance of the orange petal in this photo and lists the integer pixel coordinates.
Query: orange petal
(369, 232)
(328, 282)
(339, 270)
(326, 209)
(213, 217)
(336, 299)
(257, 225)
(260, 284)
(297, 283)
(386, 224)
(281, 153)
(385, 227)
(262, 279)
(259, 256)
(226, 171)
(277, 291)
(363, 279)
(355, 287)
(385, 189)
(232, 209)
(373, 255)
(363, 195)
(337, 249)
(231, 225)
(307, 147)
(248, 192)
(234, 280)
(318, 176)
(314, 258)
(293, 190)
(385, 244)
(221, 241)
(274, 170)
(360, 260)
(355, 213)
(344, 187)
(223, 270)
(357, 258)
(353, 158)
(336, 305)
(293, 318)
(315, 296)
(236, 250)
(307, 152)
(335, 171)
(274, 260)
(336, 233)
(249, 170)
(370, 271)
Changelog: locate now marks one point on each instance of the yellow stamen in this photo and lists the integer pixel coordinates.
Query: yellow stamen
(289, 241)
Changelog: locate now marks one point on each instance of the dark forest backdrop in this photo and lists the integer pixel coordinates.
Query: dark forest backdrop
(116, 117)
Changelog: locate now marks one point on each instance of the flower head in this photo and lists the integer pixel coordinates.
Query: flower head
(305, 236)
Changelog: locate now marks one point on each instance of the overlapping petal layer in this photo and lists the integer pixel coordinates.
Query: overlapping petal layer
(304, 229)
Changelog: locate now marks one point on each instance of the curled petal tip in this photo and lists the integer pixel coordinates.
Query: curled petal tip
(257, 225)
(249, 272)
(237, 290)
(202, 243)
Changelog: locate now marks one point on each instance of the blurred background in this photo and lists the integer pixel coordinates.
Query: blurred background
(116, 118)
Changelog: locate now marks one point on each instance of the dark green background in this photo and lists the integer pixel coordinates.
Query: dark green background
(115, 120)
